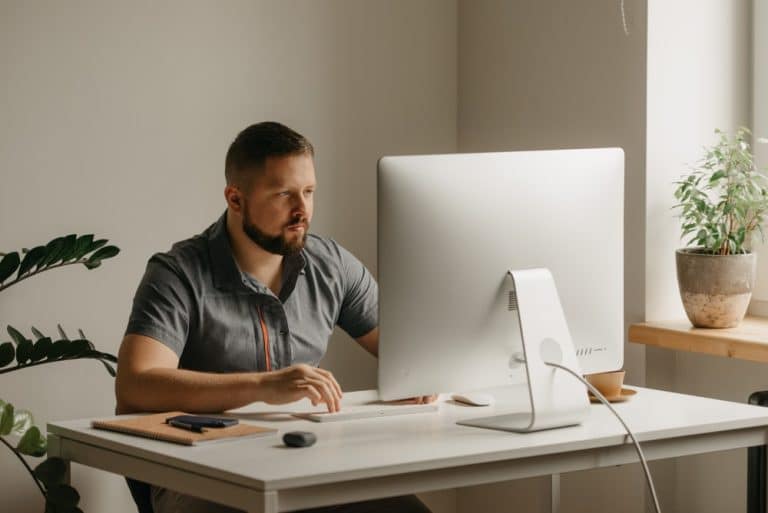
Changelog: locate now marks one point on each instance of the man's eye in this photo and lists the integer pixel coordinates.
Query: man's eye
(309, 193)
(284, 194)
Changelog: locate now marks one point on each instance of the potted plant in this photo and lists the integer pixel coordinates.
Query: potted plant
(18, 432)
(722, 203)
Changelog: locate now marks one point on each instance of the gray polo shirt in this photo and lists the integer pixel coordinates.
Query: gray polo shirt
(195, 300)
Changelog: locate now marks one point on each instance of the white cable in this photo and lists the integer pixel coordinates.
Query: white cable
(623, 18)
(600, 396)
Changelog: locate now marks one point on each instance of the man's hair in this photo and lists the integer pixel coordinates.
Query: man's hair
(253, 146)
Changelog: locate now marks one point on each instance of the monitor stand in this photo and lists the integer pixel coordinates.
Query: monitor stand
(557, 399)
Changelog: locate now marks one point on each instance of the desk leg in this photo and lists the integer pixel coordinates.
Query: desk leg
(756, 466)
(270, 504)
(54, 451)
(554, 505)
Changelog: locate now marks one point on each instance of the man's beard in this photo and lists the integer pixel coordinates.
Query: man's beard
(279, 245)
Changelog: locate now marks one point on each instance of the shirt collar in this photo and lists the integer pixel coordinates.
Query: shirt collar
(226, 273)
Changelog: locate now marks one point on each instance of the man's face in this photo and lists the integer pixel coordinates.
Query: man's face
(278, 207)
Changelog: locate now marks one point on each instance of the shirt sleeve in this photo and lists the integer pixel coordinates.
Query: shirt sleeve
(360, 306)
(162, 305)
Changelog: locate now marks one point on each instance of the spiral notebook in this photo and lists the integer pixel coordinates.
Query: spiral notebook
(154, 426)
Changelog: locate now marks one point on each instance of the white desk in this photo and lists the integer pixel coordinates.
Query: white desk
(381, 457)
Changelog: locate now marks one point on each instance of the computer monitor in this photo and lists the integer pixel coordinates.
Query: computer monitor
(450, 227)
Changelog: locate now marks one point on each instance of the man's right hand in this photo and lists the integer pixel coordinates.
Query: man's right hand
(299, 381)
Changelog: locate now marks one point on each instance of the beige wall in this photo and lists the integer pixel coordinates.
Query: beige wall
(561, 74)
(698, 80)
(114, 120)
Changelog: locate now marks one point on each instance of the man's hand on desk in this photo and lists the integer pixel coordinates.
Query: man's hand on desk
(300, 381)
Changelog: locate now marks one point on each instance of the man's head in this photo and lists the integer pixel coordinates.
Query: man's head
(270, 186)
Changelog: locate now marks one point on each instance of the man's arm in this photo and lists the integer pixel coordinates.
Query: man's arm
(370, 342)
(148, 379)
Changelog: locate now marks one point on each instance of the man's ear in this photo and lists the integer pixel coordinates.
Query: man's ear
(234, 198)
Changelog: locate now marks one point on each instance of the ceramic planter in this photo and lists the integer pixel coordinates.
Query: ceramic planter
(715, 289)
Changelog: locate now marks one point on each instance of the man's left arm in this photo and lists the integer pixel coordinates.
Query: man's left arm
(370, 342)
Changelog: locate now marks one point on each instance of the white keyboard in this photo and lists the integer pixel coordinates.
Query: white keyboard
(366, 411)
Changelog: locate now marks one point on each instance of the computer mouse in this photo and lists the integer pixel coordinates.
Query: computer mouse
(299, 439)
(474, 399)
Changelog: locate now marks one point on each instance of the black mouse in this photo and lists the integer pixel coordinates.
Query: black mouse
(299, 439)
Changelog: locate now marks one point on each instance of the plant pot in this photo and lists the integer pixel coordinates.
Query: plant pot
(715, 289)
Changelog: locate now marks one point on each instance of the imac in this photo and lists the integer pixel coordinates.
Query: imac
(452, 227)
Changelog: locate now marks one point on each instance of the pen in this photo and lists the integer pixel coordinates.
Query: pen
(184, 425)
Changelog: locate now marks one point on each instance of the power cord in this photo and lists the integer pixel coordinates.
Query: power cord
(602, 399)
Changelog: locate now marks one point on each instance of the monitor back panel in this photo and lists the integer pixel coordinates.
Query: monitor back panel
(449, 228)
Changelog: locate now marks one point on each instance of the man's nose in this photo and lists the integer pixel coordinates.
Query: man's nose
(300, 205)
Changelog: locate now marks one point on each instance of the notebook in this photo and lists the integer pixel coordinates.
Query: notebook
(154, 426)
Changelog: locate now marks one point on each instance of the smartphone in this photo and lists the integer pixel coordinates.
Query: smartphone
(199, 421)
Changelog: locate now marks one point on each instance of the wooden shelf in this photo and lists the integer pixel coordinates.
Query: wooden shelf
(748, 341)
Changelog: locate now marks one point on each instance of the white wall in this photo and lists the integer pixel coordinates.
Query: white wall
(760, 131)
(698, 80)
(561, 74)
(115, 118)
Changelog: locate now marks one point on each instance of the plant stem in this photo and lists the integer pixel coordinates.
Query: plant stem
(38, 271)
(42, 362)
(24, 462)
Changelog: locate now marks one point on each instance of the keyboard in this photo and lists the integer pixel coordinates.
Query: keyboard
(366, 411)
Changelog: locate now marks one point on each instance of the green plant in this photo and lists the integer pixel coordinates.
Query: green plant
(49, 476)
(724, 200)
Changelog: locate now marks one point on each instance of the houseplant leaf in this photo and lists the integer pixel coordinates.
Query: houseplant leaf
(102, 254)
(24, 352)
(41, 349)
(31, 259)
(16, 335)
(58, 349)
(53, 250)
(33, 443)
(51, 472)
(83, 244)
(68, 247)
(63, 496)
(6, 419)
(8, 265)
(22, 421)
(7, 353)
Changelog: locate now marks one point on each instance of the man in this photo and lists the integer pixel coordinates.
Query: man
(243, 312)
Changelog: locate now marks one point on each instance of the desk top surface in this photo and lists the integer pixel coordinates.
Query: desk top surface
(415, 442)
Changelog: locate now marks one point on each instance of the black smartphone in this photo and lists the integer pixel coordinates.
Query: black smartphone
(199, 421)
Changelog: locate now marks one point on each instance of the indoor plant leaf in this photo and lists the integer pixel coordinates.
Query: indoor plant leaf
(52, 249)
(51, 472)
(77, 348)
(68, 247)
(36, 332)
(22, 421)
(33, 443)
(7, 353)
(41, 349)
(31, 259)
(16, 335)
(102, 254)
(83, 244)
(6, 419)
(8, 265)
(58, 349)
(24, 352)
(63, 496)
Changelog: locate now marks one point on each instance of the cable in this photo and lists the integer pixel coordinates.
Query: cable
(600, 396)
